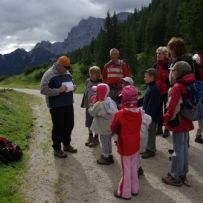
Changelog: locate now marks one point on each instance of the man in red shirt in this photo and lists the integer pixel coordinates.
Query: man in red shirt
(113, 71)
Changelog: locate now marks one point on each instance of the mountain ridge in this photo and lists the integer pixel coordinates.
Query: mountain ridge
(45, 51)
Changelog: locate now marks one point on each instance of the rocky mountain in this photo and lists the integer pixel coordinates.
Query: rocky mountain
(44, 51)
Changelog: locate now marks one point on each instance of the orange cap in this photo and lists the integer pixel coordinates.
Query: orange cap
(63, 60)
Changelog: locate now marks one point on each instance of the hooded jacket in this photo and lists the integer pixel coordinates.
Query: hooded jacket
(127, 125)
(179, 90)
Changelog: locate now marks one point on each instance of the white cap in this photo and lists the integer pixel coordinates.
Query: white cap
(129, 80)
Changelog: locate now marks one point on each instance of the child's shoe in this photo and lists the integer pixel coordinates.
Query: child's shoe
(89, 140)
(105, 160)
(94, 142)
(140, 172)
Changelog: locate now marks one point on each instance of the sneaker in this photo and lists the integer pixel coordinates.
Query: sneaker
(169, 180)
(94, 142)
(140, 172)
(70, 149)
(199, 139)
(120, 197)
(105, 160)
(148, 154)
(166, 133)
(60, 154)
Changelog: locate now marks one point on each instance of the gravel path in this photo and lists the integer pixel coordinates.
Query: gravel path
(79, 179)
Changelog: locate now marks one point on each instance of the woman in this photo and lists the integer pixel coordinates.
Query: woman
(162, 81)
(178, 124)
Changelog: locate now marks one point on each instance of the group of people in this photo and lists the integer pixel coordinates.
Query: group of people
(112, 108)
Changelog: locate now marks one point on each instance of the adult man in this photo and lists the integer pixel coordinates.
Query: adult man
(57, 86)
(113, 72)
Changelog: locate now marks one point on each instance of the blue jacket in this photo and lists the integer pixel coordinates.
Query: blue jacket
(151, 101)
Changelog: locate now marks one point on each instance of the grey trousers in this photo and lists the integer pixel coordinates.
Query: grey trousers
(106, 145)
(151, 143)
(200, 129)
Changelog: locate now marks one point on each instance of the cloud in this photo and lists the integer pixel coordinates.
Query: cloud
(24, 23)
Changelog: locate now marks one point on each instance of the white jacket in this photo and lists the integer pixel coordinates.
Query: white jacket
(103, 113)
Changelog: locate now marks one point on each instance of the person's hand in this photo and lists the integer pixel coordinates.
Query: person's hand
(63, 88)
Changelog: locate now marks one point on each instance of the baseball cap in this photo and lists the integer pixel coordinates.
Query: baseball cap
(182, 67)
(64, 60)
(128, 80)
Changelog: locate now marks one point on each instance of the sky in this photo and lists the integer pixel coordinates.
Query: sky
(27, 22)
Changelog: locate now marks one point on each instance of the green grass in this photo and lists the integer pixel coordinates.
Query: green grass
(31, 78)
(15, 124)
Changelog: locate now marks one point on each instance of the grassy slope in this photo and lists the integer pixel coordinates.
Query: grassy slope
(15, 124)
(32, 80)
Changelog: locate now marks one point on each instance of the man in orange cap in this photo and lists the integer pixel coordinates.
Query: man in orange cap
(57, 85)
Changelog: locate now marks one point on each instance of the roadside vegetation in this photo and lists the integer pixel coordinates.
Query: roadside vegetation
(16, 123)
(30, 78)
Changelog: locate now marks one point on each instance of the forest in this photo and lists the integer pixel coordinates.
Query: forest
(144, 31)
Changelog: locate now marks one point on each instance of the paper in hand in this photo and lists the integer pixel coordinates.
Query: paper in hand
(69, 85)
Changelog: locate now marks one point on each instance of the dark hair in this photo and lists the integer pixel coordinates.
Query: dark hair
(152, 72)
(177, 44)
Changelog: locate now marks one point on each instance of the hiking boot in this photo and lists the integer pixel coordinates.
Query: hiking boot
(89, 140)
(60, 154)
(185, 181)
(105, 160)
(94, 142)
(166, 133)
(148, 154)
(111, 159)
(199, 139)
(70, 149)
(169, 180)
(140, 172)
(159, 131)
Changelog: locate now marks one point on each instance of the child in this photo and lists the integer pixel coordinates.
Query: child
(102, 109)
(94, 79)
(150, 103)
(127, 124)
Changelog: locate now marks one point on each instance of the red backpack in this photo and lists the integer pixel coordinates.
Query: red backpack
(9, 151)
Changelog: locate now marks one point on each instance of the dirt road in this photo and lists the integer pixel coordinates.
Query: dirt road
(79, 179)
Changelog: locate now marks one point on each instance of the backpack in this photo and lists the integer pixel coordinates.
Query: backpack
(192, 108)
(9, 151)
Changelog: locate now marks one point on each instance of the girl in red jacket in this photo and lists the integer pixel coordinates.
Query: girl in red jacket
(127, 123)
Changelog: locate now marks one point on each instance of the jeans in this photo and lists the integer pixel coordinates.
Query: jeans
(179, 166)
(63, 123)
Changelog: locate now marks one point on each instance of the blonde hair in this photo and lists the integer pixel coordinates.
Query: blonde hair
(114, 50)
(164, 51)
(95, 69)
